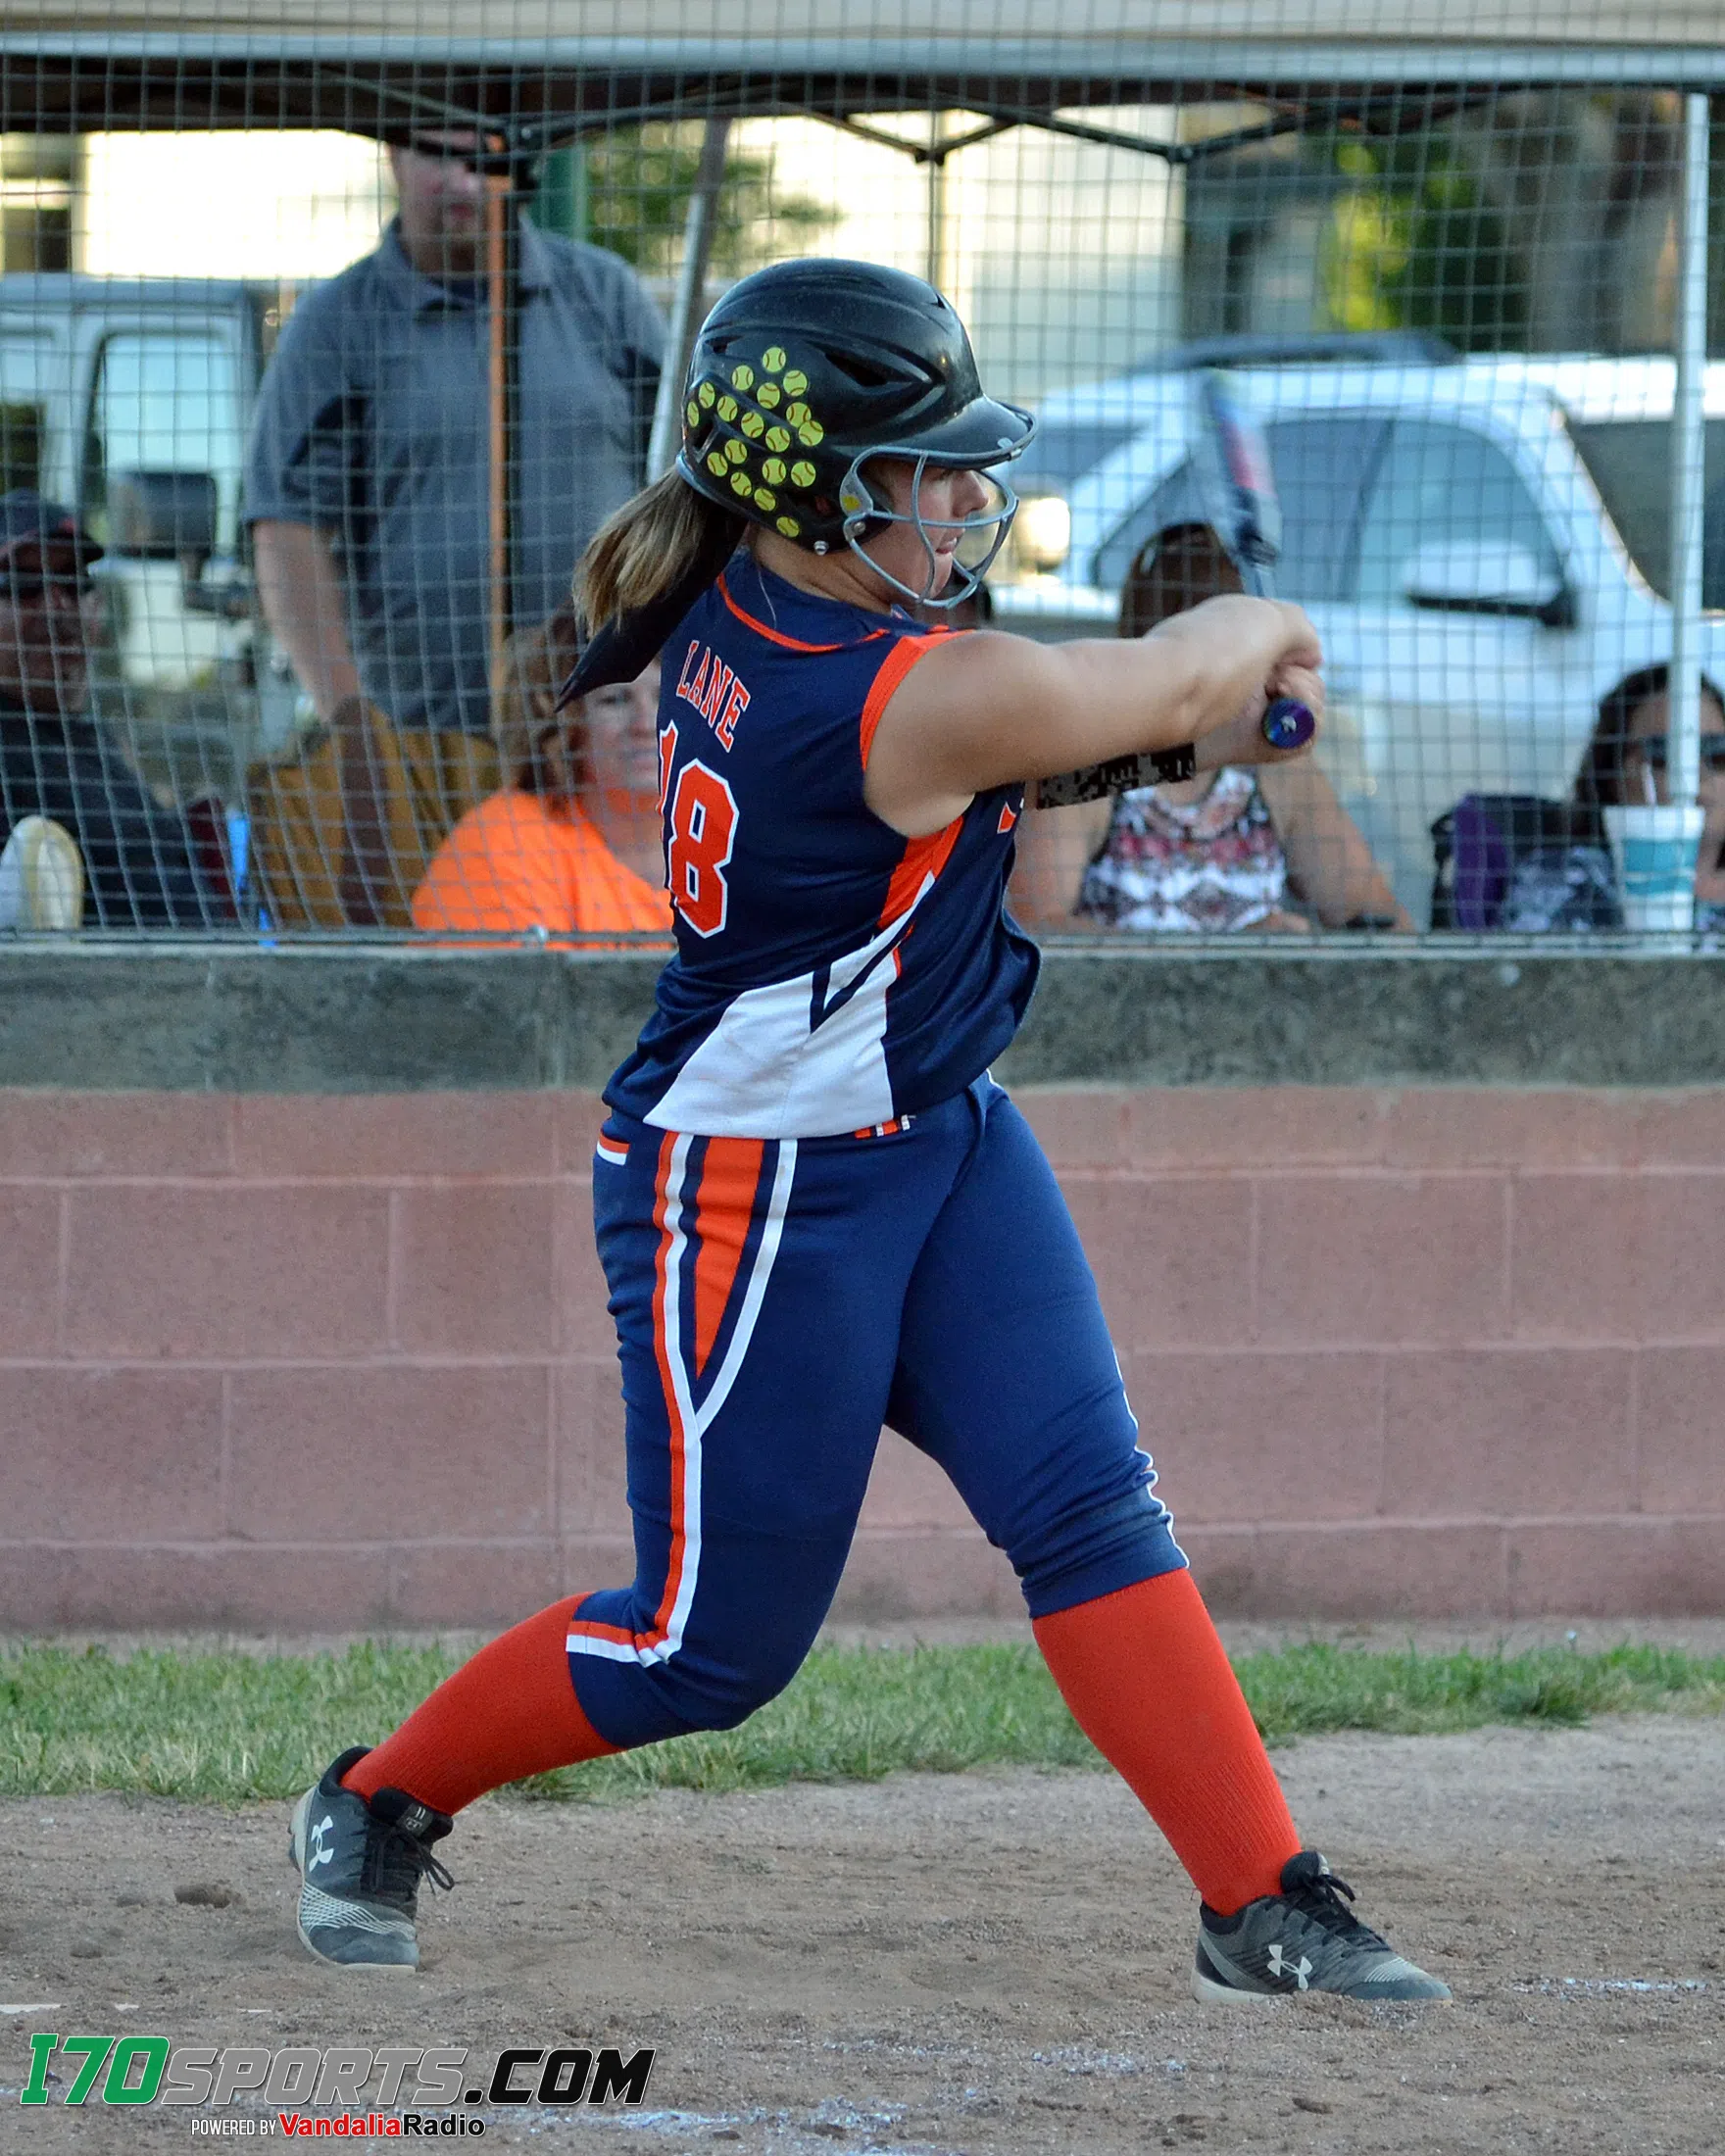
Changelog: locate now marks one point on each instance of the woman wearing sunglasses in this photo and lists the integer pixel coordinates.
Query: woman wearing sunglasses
(1626, 762)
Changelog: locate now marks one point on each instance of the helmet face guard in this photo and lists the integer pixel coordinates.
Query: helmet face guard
(981, 534)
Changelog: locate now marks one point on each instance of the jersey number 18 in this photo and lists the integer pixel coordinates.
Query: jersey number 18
(703, 829)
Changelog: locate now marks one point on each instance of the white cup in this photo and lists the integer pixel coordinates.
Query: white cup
(1653, 850)
(41, 876)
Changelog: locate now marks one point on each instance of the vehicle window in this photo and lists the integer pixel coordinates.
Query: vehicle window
(1323, 468)
(1062, 451)
(23, 410)
(1441, 483)
(166, 401)
(1630, 462)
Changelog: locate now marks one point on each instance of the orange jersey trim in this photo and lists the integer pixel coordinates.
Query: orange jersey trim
(923, 858)
(777, 636)
(893, 670)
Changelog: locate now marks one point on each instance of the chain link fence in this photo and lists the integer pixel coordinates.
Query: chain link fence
(327, 337)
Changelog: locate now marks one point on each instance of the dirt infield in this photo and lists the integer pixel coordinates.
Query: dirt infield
(977, 1963)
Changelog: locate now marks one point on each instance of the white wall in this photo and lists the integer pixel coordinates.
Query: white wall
(264, 205)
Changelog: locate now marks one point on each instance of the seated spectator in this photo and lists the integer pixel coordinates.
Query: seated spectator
(1259, 849)
(570, 846)
(1518, 864)
(1626, 761)
(142, 867)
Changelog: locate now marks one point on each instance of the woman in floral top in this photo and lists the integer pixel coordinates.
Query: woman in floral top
(1227, 851)
(1203, 855)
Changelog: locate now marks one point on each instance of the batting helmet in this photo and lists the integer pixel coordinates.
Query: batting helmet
(805, 371)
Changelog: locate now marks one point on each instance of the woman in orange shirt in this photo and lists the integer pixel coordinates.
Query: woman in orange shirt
(571, 847)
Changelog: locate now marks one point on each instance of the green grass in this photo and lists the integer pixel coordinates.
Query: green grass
(226, 1726)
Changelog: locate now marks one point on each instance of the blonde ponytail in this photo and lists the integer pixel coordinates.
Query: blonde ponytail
(642, 551)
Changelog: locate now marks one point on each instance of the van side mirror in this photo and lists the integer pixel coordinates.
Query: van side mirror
(163, 517)
(1488, 576)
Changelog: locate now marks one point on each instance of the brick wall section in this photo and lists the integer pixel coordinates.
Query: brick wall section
(320, 1362)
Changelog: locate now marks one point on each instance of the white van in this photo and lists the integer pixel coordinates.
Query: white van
(1483, 546)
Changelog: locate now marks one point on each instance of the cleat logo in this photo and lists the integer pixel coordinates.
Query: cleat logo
(320, 1854)
(1299, 1970)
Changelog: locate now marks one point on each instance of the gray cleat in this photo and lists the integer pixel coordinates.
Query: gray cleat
(360, 1867)
(1306, 1939)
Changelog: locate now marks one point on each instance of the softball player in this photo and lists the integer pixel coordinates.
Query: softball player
(815, 1210)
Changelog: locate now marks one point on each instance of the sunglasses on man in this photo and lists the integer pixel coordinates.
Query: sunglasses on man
(1655, 751)
(475, 158)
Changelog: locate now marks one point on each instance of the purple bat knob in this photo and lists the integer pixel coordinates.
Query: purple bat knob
(1288, 724)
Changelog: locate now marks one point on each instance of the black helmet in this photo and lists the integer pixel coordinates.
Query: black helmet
(804, 370)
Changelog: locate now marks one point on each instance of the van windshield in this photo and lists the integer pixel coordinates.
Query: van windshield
(1630, 462)
(166, 401)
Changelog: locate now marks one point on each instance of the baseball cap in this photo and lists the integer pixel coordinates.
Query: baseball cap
(26, 516)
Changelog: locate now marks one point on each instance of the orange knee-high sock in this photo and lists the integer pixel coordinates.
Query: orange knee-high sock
(511, 1711)
(1148, 1684)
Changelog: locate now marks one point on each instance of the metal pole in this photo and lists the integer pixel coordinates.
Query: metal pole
(937, 205)
(686, 309)
(1688, 456)
(503, 282)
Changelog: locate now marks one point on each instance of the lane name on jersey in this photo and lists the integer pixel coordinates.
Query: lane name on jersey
(709, 685)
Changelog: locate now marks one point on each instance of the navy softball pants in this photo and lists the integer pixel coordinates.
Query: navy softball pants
(776, 1302)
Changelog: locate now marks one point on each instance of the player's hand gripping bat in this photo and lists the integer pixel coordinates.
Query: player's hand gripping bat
(1237, 488)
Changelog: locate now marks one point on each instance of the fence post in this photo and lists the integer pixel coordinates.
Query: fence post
(1689, 454)
(686, 311)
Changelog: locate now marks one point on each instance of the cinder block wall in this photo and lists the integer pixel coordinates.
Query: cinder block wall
(335, 1360)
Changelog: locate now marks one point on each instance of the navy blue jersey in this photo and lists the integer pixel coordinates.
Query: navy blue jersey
(831, 975)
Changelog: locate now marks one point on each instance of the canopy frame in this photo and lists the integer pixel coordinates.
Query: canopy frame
(82, 81)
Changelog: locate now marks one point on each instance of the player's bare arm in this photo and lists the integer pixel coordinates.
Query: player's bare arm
(987, 710)
(1331, 863)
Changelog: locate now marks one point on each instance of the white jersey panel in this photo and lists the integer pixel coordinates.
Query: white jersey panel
(800, 1058)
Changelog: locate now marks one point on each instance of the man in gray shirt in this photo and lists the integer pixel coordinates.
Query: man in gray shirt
(367, 489)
